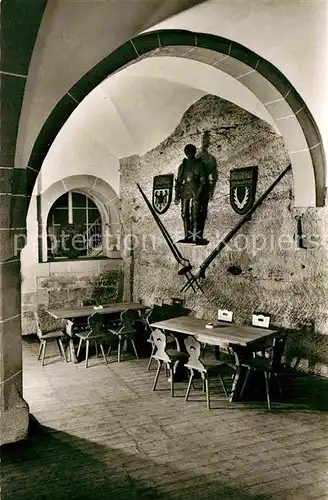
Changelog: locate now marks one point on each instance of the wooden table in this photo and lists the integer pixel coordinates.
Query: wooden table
(85, 311)
(223, 334)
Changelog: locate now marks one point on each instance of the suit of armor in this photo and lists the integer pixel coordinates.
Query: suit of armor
(192, 189)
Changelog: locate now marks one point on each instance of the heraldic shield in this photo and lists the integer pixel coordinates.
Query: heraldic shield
(162, 192)
(243, 189)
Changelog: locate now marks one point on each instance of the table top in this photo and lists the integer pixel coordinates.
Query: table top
(85, 311)
(224, 332)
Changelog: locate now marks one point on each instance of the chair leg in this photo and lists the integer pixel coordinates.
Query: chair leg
(150, 362)
(59, 348)
(134, 348)
(62, 350)
(172, 380)
(223, 384)
(103, 353)
(207, 385)
(96, 346)
(189, 385)
(157, 373)
(119, 349)
(109, 350)
(87, 353)
(79, 347)
(40, 349)
(72, 352)
(44, 351)
(248, 374)
(68, 353)
(151, 357)
(267, 389)
(278, 384)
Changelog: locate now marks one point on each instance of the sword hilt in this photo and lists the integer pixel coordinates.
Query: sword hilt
(200, 273)
(185, 269)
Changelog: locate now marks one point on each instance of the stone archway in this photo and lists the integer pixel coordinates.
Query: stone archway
(281, 99)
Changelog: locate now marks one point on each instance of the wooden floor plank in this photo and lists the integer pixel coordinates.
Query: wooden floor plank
(102, 433)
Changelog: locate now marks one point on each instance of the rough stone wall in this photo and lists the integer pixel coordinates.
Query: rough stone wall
(67, 284)
(277, 276)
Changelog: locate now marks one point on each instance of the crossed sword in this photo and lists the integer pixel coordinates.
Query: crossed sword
(200, 272)
(185, 266)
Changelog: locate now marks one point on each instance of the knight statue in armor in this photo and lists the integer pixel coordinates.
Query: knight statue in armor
(193, 188)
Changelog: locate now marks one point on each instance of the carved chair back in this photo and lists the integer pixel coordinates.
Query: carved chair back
(242, 354)
(69, 328)
(96, 325)
(159, 339)
(128, 320)
(193, 348)
(277, 352)
(146, 318)
(225, 315)
(261, 320)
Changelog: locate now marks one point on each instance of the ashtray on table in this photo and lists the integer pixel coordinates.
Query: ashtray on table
(211, 326)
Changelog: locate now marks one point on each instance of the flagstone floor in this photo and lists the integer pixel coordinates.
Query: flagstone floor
(101, 433)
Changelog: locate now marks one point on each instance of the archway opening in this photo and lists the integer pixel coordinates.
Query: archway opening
(291, 114)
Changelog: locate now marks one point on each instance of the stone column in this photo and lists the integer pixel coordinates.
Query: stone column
(14, 411)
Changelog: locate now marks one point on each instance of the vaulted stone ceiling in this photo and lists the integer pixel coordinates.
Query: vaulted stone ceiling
(74, 36)
(135, 110)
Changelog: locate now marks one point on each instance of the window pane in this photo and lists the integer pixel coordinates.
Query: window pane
(91, 204)
(79, 200)
(85, 213)
(79, 216)
(61, 216)
(93, 215)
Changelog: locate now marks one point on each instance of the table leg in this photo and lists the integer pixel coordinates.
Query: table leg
(237, 384)
(72, 351)
(69, 333)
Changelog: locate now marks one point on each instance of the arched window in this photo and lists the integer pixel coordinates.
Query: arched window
(74, 227)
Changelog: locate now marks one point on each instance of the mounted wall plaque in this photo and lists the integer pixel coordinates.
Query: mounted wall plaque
(162, 192)
(243, 189)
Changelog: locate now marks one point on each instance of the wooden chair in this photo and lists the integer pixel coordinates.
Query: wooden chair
(169, 338)
(261, 320)
(169, 357)
(96, 333)
(57, 334)
(194, 363)
(225, 315)
(125, 331)
(150, 340)
(269, 366)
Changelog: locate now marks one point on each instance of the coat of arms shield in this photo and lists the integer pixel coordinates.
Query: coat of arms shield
(162, 192)
(243, 188)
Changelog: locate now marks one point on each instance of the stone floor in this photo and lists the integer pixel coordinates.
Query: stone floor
(101, 433)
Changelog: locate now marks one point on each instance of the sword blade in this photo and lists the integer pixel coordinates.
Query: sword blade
(162, 228)
(175, 251)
